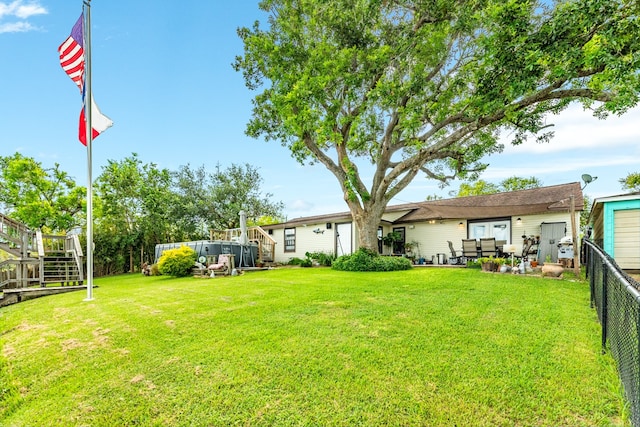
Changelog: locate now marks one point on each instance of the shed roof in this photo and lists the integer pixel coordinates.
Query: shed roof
(598, 203)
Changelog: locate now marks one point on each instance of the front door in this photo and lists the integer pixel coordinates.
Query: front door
(343, 239)
(398, 247)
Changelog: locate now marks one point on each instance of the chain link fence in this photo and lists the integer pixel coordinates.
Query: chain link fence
(616, 297)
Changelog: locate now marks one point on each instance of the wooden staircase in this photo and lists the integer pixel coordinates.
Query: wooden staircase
(38, 259)
(266, 244)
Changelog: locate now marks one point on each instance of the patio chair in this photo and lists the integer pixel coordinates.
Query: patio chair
(222, 266)
(469, 249)
(488, 247)
(455, 258)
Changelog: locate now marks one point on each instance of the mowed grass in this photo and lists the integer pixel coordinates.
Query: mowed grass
(310, 347)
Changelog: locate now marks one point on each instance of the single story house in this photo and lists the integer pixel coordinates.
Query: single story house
(615, 222)
(541, 213)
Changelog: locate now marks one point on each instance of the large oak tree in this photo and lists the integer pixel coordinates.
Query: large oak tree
(425, 86)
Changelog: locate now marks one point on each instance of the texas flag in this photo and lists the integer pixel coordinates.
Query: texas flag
(73, 63)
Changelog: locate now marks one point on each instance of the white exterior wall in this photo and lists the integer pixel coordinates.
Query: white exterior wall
(393, 216)
(531, 224)
(306, 241)
(431, 237)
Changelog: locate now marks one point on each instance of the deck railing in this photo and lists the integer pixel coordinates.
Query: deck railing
(18, 274)
(62, 247)
(266, 244)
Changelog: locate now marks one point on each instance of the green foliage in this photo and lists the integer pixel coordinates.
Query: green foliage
(391, 238)
(477, 188)
(177, 262)
(133, 206)
(495, 260)
(322, 258)
(516, 183)
(306, 263)
(214, 200)
(631, 182)
(513, 183)
(427, 87)
(155, 270)
(367, 260)
(295, 261)
(40, 198)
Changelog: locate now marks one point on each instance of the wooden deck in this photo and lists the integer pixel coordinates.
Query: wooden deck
(13, 296)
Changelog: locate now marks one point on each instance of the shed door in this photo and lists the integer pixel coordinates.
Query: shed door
(550, 235)
(626, 238)
(343, 239)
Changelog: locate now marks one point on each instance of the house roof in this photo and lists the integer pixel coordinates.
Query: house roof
(540, 200)
(523, 202)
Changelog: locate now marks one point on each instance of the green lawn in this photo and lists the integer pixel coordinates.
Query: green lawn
(310, 347)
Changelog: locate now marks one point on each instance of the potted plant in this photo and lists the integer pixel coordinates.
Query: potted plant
(490, 263)
(390, 239)
(408, 248)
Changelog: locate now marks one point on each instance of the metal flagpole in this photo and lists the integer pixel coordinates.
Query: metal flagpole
(88, 101)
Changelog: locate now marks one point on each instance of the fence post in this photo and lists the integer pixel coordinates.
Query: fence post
(591, 277)
(605, 307)
(587, 260)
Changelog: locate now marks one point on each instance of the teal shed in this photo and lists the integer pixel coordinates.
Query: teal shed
(616, 228)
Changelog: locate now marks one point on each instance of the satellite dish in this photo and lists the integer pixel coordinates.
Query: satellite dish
(202, 259)
(587, 179)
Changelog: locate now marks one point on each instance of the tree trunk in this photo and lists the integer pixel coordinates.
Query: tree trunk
(367, 221)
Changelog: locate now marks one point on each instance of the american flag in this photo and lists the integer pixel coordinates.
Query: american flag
(72, 54)
(72, 61)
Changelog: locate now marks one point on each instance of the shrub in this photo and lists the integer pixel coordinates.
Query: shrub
(301, 262)
(368, 260)
(155, 271)
(177, 262)
(321, 258)
(306, 263)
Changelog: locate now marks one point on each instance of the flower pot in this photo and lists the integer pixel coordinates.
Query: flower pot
(552, 269)
(490, 266)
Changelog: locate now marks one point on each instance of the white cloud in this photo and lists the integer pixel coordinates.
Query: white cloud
(540, 167)
(576, 129)
(16, 27)
(21, 10)
(24, 11)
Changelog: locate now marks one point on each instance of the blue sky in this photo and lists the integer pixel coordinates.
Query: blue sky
(162, 72)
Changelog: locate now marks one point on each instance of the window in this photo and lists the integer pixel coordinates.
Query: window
(498, 228)
(289, 239)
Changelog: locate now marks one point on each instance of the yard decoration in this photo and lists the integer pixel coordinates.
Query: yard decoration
(552, 269)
